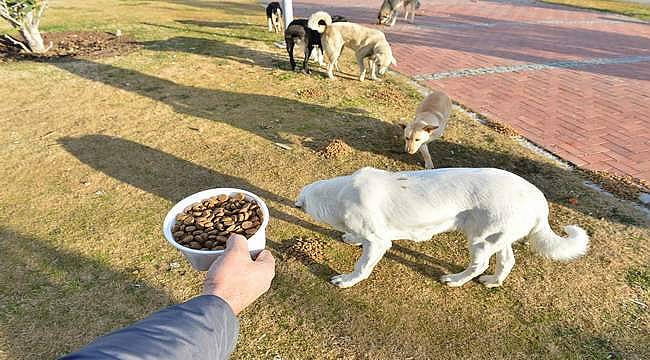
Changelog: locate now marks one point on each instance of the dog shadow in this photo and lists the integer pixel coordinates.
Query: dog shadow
(424, 264)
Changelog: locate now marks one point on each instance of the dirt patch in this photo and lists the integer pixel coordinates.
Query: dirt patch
(387, 94)
(501, 128)
(306, 250)
(83, 44)
(624, 186)
(334, 149)
(311, 93)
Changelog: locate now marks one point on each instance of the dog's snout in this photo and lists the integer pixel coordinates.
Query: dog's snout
(410, 149)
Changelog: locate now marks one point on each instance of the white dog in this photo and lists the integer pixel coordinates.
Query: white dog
(367, 43)
(492, 207)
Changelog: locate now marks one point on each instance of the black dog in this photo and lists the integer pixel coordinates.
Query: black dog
(274, 17)
(298, 32)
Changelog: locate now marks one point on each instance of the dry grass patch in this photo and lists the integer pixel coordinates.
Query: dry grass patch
(94, 163)
(629, 8)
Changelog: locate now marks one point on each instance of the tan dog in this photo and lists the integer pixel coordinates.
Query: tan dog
(366, 43)
(388, 12)
(430, 121)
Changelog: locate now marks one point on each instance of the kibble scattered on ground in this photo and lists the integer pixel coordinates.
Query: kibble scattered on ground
(335, 148)
(305, 249)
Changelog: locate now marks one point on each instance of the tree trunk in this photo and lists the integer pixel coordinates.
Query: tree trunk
(31, 34)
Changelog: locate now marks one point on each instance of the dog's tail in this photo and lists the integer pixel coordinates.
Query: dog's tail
(547, 243)
(315, 19)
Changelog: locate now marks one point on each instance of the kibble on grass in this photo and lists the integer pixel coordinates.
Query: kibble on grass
(206, 225)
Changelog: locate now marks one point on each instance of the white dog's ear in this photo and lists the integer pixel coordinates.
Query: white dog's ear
(393, 61)
(430, 129)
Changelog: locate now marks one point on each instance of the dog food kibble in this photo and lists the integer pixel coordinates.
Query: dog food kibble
(206, 225)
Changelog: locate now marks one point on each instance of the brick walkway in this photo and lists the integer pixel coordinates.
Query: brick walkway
(575, 82)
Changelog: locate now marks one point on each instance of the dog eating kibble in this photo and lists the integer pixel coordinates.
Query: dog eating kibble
(206, 225)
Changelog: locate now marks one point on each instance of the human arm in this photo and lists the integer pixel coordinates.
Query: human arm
(205, 327)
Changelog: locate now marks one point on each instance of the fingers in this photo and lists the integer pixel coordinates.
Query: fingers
(265, 257)
(236, 243)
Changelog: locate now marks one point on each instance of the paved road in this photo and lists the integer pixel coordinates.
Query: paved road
(576, 82)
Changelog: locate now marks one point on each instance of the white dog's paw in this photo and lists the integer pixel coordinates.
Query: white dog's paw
(345, 280)
(489, 281)
(452, 280)
(350, 239)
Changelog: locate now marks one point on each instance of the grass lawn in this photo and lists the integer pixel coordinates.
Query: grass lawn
(94, 153)
(629, 8)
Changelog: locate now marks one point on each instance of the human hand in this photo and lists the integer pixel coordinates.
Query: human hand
(236, 278)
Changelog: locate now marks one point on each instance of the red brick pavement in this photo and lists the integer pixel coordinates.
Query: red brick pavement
(595, 116)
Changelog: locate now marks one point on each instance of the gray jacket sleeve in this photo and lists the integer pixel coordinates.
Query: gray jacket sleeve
(202, 328)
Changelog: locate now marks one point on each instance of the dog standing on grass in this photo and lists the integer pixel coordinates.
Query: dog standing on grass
(493, 208)
(299, 35)
(274, 17)
(431, 118)
(367, 43)
(389, 11)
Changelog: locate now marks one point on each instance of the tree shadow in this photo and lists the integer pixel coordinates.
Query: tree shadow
(43, 286)
(250, 112)
(212, 48)
(211, 33)
(218, 24)
(234, 8)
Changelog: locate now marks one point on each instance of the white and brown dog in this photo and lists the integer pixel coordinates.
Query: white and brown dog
(431, 118)
(492, 208)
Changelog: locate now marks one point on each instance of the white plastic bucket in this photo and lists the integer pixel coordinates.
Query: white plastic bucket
(202, 259)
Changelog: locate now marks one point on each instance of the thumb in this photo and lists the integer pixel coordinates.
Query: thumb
(265, 257)
(236, 243)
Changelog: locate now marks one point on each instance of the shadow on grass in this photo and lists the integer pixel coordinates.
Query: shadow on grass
(212, 48)
(166, 175)
(229, 7)
(425, 264)
(218, 24)
(248, 112)
(321, 124)
(50, 296)
(189, 29)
